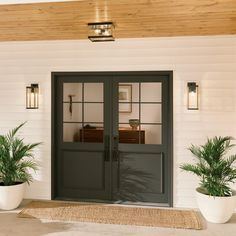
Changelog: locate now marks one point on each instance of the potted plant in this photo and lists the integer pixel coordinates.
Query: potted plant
(215, 198)
(16, 159)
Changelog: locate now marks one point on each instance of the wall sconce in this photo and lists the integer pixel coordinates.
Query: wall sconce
(193, 103)
(32, 96)
(101, 31)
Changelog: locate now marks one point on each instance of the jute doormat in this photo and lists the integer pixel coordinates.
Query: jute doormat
(110, 214)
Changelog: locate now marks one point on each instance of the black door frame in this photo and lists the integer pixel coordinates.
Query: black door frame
(169, 74)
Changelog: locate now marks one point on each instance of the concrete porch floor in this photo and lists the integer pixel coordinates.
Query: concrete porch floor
(11, 225)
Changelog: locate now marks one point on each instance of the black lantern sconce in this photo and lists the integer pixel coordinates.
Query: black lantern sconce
(32, 96)
(193, 96)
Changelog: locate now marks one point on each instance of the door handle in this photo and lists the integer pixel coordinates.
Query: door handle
(106, 148)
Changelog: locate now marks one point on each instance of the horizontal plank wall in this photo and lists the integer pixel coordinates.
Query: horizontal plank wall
(211, 61)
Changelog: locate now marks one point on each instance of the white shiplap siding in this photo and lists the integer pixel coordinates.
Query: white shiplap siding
(209, 60)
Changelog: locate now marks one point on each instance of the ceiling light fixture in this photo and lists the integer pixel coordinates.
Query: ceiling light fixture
(101, 31)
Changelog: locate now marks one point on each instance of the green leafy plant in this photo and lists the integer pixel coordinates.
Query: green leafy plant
(16, 159)
(216, 172)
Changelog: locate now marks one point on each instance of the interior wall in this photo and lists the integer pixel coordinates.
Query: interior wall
(211, 61)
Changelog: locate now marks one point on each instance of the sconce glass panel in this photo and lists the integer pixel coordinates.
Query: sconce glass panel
(32, 96)
(193, 96)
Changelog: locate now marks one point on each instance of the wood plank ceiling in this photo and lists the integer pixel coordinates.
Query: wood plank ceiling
(133, 19)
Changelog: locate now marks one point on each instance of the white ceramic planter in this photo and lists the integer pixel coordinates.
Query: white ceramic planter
(216, 209)
(11, 196)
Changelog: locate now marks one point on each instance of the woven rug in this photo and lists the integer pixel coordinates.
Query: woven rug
(110, 214)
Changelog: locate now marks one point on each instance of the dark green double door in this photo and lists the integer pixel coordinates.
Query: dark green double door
(112, 136)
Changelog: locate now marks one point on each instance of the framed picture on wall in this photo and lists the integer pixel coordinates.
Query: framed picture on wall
(125, 98)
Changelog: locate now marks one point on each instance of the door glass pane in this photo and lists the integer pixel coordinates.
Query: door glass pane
(72, 91)
(151, 113)
(153, 134)
(83, 109)
(140, 104)
(125, 107)
(72, 112)
(93, 92)
(130, 135)
(128, 92)
(124, 117)
(93, 112)
(135, 92)
(71, 132)
(151, 92)
(92, 133)
(124, 126)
